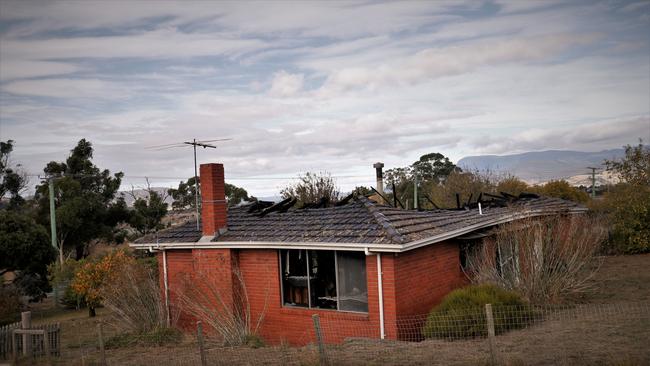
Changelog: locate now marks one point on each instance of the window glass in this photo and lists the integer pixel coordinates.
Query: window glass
(294, 277)
(353, 290)
(322, 273)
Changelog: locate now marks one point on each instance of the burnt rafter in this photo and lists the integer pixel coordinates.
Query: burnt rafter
(345, 200)
(431, 201)
(276, 207)
(323, 202)
(259, 205)
(380, 195)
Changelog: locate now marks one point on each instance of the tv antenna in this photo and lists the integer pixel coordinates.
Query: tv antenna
(194, 143)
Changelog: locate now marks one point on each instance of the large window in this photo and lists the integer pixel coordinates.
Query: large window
(324, 279)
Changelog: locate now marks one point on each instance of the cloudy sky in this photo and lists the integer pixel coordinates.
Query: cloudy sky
(329, 86)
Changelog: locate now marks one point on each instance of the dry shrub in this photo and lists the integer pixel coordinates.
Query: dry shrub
(546, 259)
(133, 294)
(222, 305)
(10, 304)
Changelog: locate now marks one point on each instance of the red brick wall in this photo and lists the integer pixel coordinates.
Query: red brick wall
(214, 213)
(209, 270)
(260, 269)
(413, 282)
(426, 275)
(423, 277)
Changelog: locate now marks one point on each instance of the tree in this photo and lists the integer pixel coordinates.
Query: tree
(148, 211)
(91, 276)
(184, 195)
(628, 203)
(432, 169)
(561, 189)
(235, 195)
(634, 168)
(465, 184)
(311, 187)
(84, 200)
(25, 248)
(12, 181)
(513, 185)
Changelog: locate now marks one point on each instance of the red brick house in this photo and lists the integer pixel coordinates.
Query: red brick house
(360, 264)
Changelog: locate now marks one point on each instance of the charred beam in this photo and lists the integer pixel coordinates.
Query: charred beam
(275, 207)
(345, 200)
(431, 201)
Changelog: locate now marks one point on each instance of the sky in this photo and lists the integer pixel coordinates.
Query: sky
(309, 86)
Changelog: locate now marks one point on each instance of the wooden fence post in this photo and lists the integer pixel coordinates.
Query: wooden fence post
(26, 323)
(102, 352)
(14, 350)
(199, 336)
(319, 339)
(491, 334)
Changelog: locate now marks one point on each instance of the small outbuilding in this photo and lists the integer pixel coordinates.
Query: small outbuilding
(359, 264)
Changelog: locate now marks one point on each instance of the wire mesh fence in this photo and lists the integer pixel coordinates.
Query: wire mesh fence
(527, 335)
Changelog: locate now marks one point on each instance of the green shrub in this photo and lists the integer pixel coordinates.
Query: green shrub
(462, 313)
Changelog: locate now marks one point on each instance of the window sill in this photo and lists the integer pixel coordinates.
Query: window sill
(326, 313)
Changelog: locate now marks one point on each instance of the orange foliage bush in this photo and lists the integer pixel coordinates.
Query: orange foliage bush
(88, 279)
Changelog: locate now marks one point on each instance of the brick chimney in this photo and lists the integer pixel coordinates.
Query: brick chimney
(213, 199)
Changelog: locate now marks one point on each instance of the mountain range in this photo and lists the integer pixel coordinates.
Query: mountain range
(542, 166)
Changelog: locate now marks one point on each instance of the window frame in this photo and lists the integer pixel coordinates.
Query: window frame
(309, 302)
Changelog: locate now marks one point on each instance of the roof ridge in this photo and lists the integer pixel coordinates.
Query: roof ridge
(382, 220)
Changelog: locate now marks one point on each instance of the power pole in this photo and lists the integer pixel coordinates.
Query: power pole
(593, 181)
(53, 219)
(196, 177)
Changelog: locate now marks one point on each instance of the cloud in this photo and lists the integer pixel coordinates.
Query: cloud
(588, 136)
(439, 62)
(285, 84)
(329, 86)
(67, 88)
(11, 69)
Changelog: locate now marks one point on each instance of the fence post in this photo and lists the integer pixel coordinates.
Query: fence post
(319, 339)
(199, 336)
(100, 336)
(490, 328)
(14, 346)
(26, 323)
(46, 347)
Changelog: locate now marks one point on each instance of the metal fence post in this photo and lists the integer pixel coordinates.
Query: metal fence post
(100, 336)
(319, 339)
(199, 335)
(491, 335)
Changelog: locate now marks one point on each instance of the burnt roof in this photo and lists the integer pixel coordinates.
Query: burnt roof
(361, 221)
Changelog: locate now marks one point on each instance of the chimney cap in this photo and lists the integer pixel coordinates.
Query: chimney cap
(378, 165)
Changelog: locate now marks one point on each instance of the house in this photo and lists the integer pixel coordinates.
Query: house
(359, 265)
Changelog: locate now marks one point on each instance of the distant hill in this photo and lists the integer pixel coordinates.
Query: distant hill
(542, 166)
(142, 193)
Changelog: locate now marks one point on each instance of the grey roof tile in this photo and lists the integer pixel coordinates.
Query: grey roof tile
(360, 221)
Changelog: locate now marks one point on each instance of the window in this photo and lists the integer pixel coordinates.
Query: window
(323, 279)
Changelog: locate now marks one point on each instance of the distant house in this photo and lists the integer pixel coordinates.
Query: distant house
(359, 264)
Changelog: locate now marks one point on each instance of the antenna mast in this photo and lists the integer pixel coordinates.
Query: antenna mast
(196, 177)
